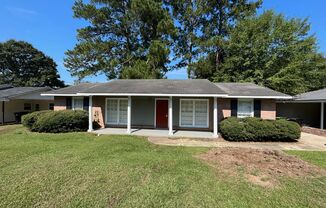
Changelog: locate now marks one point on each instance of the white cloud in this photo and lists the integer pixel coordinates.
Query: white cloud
(23, 11)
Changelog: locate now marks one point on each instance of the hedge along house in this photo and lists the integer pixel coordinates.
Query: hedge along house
(16, 101)
(174, 105)
(308, 108)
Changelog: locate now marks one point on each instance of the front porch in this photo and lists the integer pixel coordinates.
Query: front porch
(156, 133)
(179, 116)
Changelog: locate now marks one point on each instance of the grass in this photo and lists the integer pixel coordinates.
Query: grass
(315, 157)
(83, 170)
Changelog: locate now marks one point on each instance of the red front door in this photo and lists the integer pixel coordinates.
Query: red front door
(161, 113)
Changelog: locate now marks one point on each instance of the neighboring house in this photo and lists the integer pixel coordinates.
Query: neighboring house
(308, 108)
(167, 104)
(21, 100)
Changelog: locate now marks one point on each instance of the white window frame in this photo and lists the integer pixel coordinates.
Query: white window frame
(252, 108)
(73, 102)
(118, 110)
(193, 113)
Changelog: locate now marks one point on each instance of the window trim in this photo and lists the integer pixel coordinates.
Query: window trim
(252, 108)
(193, 113)
(118, 110)
(73, 102)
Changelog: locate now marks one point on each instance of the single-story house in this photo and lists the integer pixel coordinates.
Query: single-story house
(167, 104)
(308, 108)
(21, 100)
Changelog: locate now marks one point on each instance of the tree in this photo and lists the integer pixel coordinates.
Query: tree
(273, 51)
(23, 65)
(188, 17)
(220, 18)
(122, 37)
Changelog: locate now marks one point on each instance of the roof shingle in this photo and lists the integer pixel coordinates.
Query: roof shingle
(235, 89)
(317, 95)
(8, 93)
(156, 86)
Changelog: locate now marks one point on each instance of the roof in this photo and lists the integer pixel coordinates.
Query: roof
(317, 95)
(157, 86)
(72, 90)
(250, 90)
(168, 87)
(9, 93)
(5, 86)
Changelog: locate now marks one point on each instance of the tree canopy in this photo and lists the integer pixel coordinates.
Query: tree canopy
(273, 51)
(216, 40)
(123, 36)
(23, 65)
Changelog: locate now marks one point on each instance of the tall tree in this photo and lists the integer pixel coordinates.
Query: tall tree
(221, 16)
(188, 17)
(122, 37)
(23, 65)
(273, 51)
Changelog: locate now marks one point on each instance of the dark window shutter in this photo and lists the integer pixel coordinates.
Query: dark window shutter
(68, 103)
(257, 108)
(234, 107)
(86, 103)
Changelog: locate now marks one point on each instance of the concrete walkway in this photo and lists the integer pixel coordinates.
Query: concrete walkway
(307, 141)
(156, 133)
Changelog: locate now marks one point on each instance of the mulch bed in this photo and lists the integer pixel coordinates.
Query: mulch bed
(315, 131)
(260, 167)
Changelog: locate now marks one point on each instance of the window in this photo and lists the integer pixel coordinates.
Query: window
(27, 106)
(51, 106)
(116, 111)
(78, 103)
(193, 113)
(37, 107)
(245, 108)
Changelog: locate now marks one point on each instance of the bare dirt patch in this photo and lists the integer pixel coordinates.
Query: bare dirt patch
(260, 167)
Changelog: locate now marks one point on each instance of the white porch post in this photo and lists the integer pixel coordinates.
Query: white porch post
(90, 114)
(129, 116)
(170, 116)
(215, 123)
(322, 115)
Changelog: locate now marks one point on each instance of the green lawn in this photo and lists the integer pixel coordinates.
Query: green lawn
(83, 170)
(314, 157)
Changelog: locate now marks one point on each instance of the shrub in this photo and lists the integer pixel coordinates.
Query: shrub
(61, 121)
(256, 129)
(29, 119)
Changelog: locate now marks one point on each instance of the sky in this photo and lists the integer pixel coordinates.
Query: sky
(51, 28)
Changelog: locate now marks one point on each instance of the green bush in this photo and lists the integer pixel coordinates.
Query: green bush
(60, 121)
(29, 119)
(256, 129)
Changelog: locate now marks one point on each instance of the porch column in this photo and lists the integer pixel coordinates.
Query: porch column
(170, 116)
(90, 114)
(3, 112)
(129, 116)
(322, 115)
(215, 121)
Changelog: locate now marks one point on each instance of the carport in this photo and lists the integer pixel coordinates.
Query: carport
(308, 108)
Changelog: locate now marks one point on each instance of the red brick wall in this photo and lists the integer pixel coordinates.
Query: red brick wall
(268, 109)
(59, 103)
(99, 110)
(224, 108)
